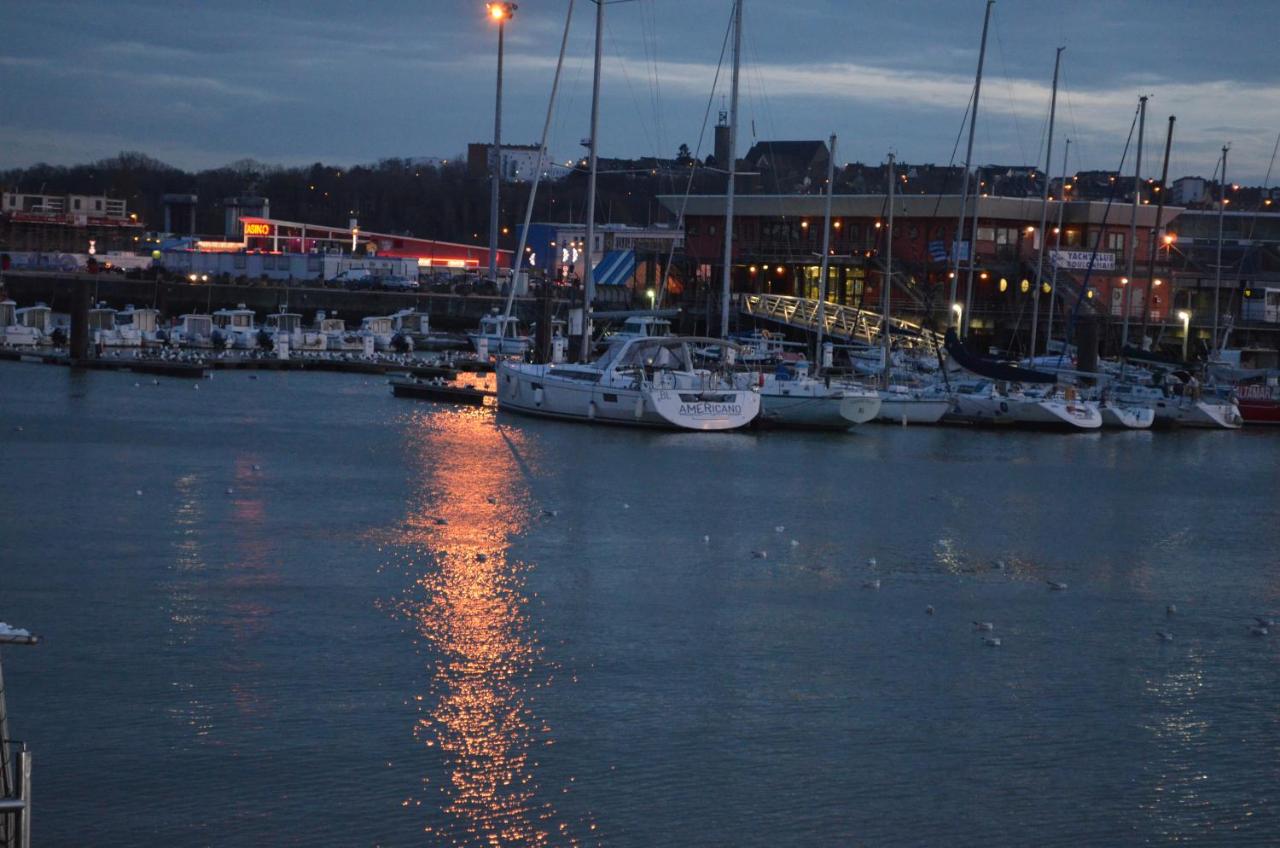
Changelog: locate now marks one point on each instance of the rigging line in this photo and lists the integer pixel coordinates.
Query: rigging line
(1013, 108)
(697, 155)
(1106, 214)
(626, 77)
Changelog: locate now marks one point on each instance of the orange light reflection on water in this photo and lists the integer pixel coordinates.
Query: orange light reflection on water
(468, 603)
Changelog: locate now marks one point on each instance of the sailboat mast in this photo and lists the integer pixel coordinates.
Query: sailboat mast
(589, 276)
(1057, 247)
(1217, 274)
(964, 187)
(887, 285)
(1155, 234)
(1044, 206)
(537, 174)
(826, 255)
(1133, 225)
(726, 280)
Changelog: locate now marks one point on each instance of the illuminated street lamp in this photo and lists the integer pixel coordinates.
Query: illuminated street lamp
(959, 311)
(499, 13)
(1185, 316)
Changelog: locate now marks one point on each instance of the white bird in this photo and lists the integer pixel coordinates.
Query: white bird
(626, 506)
(1056, 586)
(998, 564)
(228, 490)
(155, 382)
(491, 499)
(992, 641)
(779, 529)
(795, 543)
(441, 521)
(138, 493)
(481, 557)
(1258, 630)
(872, 562)
(983, 625)
(196, 387)
(19, 429)
(872, 584)
(928, 610)
(1264, 622)
(760, 554)
(551, 512)
(706, 539)
(1164, 636)
(136, 385)
(1172, 609)
(257, 468)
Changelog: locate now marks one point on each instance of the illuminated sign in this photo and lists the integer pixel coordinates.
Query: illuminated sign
(253, 229)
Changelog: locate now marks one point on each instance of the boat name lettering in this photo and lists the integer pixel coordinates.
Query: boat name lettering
(703, 410)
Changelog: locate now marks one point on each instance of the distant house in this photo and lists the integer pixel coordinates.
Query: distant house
(788, 167)
(1190, 191)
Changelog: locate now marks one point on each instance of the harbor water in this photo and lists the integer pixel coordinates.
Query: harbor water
(289, 609)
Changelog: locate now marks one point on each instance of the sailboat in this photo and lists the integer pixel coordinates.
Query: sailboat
(649, 381)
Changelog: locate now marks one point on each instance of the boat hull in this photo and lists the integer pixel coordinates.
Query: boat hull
(533, 390)
(500, 347)
(1056, 414)
(822, 412)
(1127, 417)
(912, 410)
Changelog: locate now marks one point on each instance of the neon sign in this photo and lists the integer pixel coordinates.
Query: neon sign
(251, 229)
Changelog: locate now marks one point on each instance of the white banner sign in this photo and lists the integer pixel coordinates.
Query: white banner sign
(1080, 259)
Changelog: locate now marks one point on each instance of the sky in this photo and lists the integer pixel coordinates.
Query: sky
(202, 84)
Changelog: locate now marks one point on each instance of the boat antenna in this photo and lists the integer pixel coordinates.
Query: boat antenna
(537, 172)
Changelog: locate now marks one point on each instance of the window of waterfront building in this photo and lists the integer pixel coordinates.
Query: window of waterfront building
(77, 203)
(1115, 241)
(986, 234)
(1006, 235)
(1071, 238)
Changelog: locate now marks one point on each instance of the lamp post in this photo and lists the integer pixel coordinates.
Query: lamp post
(1185, 316)
(499, 13)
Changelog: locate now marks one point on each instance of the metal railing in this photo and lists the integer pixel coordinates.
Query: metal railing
(845, 323)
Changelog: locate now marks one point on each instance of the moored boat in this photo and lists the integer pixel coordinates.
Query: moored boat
(649, 382)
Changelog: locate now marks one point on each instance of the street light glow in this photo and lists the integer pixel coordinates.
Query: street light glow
(500, 12)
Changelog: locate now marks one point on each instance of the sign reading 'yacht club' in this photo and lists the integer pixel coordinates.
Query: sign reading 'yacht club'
(1081, 259)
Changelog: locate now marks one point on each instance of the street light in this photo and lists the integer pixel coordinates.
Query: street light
(499, 13)
(1185, 316)
(959, 311)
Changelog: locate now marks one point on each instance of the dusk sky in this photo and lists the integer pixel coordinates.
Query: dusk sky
(296, 81)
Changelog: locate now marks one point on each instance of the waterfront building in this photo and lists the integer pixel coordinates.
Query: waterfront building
(628, 260)
(67, 223)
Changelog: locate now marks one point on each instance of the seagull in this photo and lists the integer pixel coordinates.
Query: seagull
(257, 468)
(138, 493)
(928, 610)
(760, 554)
(1262, 622)
(626, 506)
(441, 521)
(998, 564)
(872, 584)
(983, 625)
(551, 512)
(795, 543)
(1258, 630)
(481, 557)
(196, 387)
(1172, 609)
(779, 529)
(1164, 636)
(872, 562)
(19, 429)
(992, 641)
(228, 490)
(1056, 586)
(155, 382)
(491, 499)
(706, 539)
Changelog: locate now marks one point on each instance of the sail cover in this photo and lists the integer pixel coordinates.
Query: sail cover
(992, 368)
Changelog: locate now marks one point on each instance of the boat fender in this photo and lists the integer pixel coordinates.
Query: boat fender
(537, 396)
(1004, 406)
(640, 407)
(591, 410)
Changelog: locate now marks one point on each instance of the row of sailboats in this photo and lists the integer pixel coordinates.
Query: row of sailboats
(669, 381)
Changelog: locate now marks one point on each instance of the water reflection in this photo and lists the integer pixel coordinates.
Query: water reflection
(469, 604)
(188, 612)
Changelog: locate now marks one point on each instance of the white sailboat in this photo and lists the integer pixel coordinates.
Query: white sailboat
(647, 382)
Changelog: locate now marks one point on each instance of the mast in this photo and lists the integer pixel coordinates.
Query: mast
(885, 295)
(826, 257)
(1155, 234)
(726, 280)
(496, 177)
(1044, 206)
(1057, 247)
(589, 278)
(1133, 225)
(1217, 274)
(537, 174)
(964, 186)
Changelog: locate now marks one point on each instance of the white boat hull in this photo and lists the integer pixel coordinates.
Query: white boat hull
(507, 346)
(912, 410)
(536, 390)
(1064, 414)
(860, 408)
(1127, 417)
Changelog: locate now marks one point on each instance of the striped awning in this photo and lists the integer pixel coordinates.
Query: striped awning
(616, 269)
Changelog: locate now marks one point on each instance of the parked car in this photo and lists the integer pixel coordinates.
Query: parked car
(400, 283)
